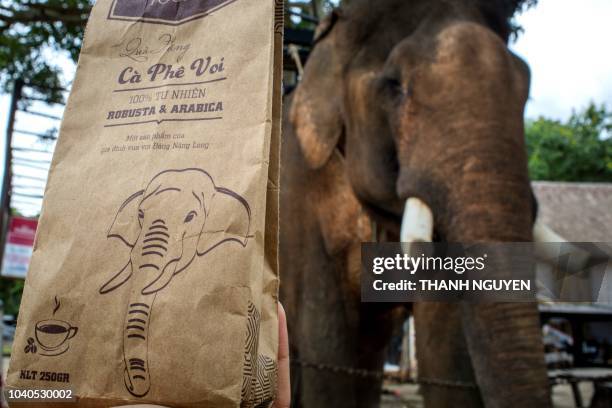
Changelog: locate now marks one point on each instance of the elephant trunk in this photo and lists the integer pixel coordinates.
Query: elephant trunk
(504, 339)
(135, 343)
(479, 192)
(150, 259)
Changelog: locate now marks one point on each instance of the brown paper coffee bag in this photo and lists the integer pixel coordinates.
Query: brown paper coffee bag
(154, 272)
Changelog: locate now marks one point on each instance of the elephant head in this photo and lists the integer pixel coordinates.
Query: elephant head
(180, 215)
(425, 101)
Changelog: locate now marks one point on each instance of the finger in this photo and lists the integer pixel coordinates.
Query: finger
(283, 398)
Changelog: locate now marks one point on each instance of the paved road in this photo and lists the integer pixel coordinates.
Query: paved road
(406, 396)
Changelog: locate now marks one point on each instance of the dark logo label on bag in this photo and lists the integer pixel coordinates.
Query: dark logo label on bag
(171, 12)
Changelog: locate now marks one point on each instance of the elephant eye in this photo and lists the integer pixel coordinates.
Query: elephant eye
(190, 216)
(393, 85)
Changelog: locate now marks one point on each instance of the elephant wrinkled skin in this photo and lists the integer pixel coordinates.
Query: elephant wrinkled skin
(424, 99)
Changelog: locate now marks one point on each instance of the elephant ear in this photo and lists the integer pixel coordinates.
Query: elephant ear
(316, 110)
(125, 226)
(326, 25)
(228, 219)
(333, 191)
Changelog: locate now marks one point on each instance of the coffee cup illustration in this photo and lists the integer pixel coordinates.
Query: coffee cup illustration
(53, 336)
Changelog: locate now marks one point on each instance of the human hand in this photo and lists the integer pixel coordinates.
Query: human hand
(283, 394)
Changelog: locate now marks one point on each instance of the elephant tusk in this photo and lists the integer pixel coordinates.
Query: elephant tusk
(119, 279)
(417, 223)
(544, 235)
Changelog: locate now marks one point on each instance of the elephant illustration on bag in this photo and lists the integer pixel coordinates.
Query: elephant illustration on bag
(180, 215)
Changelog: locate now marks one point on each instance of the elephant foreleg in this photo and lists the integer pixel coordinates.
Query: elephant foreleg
(135, 344)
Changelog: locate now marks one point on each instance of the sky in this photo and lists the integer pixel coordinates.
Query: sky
(565, 43)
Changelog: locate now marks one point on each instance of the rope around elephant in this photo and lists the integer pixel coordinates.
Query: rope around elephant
(360, 372)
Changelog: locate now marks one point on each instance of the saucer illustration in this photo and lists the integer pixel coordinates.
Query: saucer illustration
(52, 336)
(50, 353)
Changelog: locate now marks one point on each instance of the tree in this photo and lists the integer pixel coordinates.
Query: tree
(30, 32)
(10, 293)
(579, 149)
(318, 8)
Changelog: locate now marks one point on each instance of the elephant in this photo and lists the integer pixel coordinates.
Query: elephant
(322, 225)
(180, 215)
(424, 103)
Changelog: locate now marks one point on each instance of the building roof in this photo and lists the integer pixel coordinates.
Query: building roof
(575, 308)
(579, 212)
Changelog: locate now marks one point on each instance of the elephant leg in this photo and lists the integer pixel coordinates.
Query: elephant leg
(506, 338)
(339, 344)
(336, 331)
(135, 344)
(443, 356)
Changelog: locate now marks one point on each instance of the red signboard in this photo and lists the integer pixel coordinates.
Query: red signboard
(18, 248)
(22, 231)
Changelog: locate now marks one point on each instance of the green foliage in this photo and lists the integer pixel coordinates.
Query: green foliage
(314, 8)
(10, 293)
(579, 149)
(11, 289)
(518, 7)
(32, 33)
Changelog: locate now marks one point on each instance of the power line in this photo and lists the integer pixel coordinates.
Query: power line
(38, 196)
(303, 16)
(30, 133)
(17, 205)
(41, 114)
(44, 180)
(18, 201)
(24, 200)
(48, 88)
(48, 102)
(30, 150)
(26, 187)
(46, 169)
(35, 161)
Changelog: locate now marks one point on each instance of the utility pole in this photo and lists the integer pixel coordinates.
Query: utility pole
(5, 197)
(315, 8)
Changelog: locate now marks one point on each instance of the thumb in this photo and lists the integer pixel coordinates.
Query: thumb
(283, 398)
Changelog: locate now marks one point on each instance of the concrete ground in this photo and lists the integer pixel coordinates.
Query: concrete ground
(407, 396)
